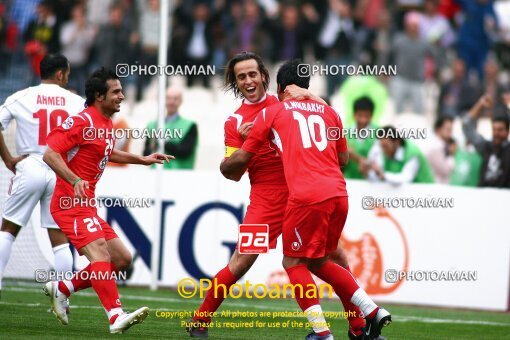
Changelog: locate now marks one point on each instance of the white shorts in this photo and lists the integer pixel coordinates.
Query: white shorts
(34, 182)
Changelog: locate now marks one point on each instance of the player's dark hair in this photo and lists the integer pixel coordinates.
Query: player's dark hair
(441, 120)
(392, 133)
(502, 119)
(289, 74)
(96, 84)
(230, 83)
(364, 104)
(51, 63)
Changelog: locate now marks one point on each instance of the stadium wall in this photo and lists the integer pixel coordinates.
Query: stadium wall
(201, 212)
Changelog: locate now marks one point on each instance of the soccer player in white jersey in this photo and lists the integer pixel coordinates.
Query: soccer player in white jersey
(36, 110)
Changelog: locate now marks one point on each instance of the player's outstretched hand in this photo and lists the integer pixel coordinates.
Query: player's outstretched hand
(79, 189)
(11, 165)
(244, 129)
(157, 158)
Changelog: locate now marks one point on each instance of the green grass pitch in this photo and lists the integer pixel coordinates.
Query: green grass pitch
(23, 314)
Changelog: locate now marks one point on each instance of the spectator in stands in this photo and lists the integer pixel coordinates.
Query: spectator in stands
(474, 35)
(397, 161)
(502, 47)
(98, 11)
(435, 30)
(249, 33)
(197, 38)
(63, 8)
(336, 38)
(378, 44)
(77, 37)
(493, 87)
(42, 35)
(149, 40)
(184, 149)
(359, 147)
(289, 32)
(468, 163)
(496, 153)
(113, 43)
(409, 51)
(457, 95)
(441, 151)
(369, 12)
(434, 27)
(448, 9)
(401, 8)
(356, 87)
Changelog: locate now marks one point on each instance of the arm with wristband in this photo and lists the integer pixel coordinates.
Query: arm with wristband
(57, 164)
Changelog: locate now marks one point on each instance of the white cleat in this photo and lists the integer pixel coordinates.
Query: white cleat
(126, 320)
(58, 301)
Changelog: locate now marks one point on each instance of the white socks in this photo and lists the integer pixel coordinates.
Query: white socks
(6, 241)
(316, 319)
(63, 258)
(363, 301)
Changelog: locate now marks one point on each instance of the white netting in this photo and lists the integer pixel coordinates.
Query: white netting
(26, 254)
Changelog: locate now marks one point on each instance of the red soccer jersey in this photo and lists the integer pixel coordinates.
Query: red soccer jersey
(85, 142)
(310, 160)
(265, 168)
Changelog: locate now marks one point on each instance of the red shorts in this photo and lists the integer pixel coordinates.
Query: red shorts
(313, 231)
(267, 206)
(83, 226)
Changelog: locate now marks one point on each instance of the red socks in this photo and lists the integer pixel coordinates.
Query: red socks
(79, 281)
(356, 321)
(105, 286)
(339, 278)
(221, 283)
(300, 277)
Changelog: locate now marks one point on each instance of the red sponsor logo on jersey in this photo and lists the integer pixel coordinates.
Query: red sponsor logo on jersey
(253, 238)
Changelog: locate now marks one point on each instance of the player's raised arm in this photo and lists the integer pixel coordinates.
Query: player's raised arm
(123, 157)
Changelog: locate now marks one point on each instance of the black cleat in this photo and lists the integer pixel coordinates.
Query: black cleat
(198, 329)
(373, 327)
(315, 336)
(352, 336)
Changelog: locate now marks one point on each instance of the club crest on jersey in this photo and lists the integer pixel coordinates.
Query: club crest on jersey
(295, 246)
(68, 123)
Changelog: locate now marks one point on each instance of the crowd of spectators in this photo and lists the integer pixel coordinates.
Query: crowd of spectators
(462, 47)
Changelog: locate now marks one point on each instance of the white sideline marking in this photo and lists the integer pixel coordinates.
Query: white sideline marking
(396, 318)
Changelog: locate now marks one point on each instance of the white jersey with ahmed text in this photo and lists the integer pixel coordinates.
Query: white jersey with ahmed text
(37, 110)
